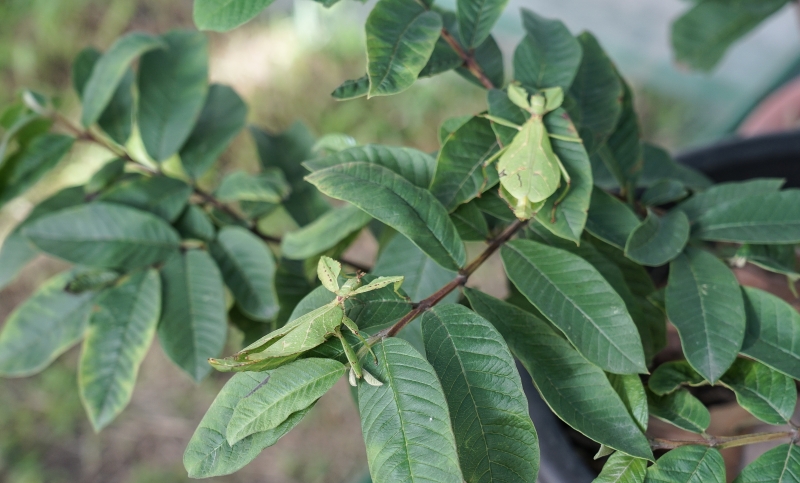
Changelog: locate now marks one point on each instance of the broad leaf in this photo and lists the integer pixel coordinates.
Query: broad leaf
(773, 332)
(495, 437)
(765, 393)
(269, 186)
(386, 196)
(109, 71)
(657, 240)
(721, 195)
(352, 89)
(223, 116)
(248, 267)
(413, 165)
(122, 328)
(460, 174)
(195, 223)
(222, 15)
(548, 56)
(663, 192)
(705, 303)
(324, 233)
(422, 275)
(632, 392)
(476, 19)
(778, 465)
(208, 452)
(591, 314)
(775, 258)
(659, 166)
(173, 84)
(405, 422)
(27, 166)
(193, 325)
(764, 218)
(444, 57)
(291, 388)
(104, 235)
(161, 195)
(670, 376)
(575, 389)
(681, 409)
(489, 58)
(401, 35)
(40, 329)
(621, 468)
(470, 223)
(111, 172)
(688, 464)
(610, 219)
(625, 161)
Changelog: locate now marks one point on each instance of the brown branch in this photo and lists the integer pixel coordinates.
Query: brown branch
(469, 60)
(722, 442)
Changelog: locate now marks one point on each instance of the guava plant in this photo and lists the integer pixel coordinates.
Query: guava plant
(552, 175)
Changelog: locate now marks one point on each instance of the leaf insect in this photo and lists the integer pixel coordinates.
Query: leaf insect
(529, 170)
(312, 329)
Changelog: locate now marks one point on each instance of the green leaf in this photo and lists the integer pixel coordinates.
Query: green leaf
(495, 437)
(773, 332)
(705, 305)
(624, 146)
(415, 166)
(109, 71)
(160, 195)
(548, 56)
(764, 218)
(489, 58)
(670, 376)
(610, 219)
(657, 240)
(223, 15)
(572, 386)
(422, 275)
(766, 394)
(291, 286)
(778, 465)
(352, 89)
(663, 192)
(405, 422)
(291, 388)
(701, 36)
(476, 19)
(208, 452)
(681, 409)
(597, 92)
(324, 233)
(591, 314)
(775, 258)
(451, 125)
(631, 391)
(194, 223)
(688, 464)
(470, 223)
(248, 268)
(105, 176)
(659, 166)
(401, 35)
(173, 84)
(444, 57)
(721, 195)
(104, 235)
(621, 468)
(269, 186)
(222, 118)
(27, 166)
(389, 198)
(40, 329)
(460, 175)
(122, 328)
(193, 325)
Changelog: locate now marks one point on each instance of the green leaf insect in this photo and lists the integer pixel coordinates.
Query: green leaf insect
(529, 170)
(312, 329)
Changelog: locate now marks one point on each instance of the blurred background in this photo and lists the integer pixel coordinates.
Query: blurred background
(285, 64)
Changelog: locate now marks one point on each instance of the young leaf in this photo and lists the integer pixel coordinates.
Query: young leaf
(269, 186)
(670, 376)
(413, 165)
(122, 327)
(681, 409)
(721, 195)
(208, 452)
(223, 15)
(476, 19)
(160, 195)
(778, 465)
(773, 332)
(195, 223)
(621, 468)
(548, 56)
(764, 218)
(40, 329)
(386, 196)
(572, 386)
(352, 89)
(591, 314)
(460, 175)
(193, 326)
(632, 392)
(109, 71)
(104, 235)
(610, 219)
(173, 84)
(324, 233)
(495, 437)
(401, 35)
(291, 388)
(657, 240)
(25, 167)
(705, 304)
(688, 464)
(405, 422)
(248, 267)
(766, 394)
(223, 116)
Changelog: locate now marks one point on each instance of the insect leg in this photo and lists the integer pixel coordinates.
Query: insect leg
(354, 329)
(571, 139)
(355, 366)
(561, 197)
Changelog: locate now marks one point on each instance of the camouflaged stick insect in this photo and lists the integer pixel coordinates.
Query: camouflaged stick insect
(312, 329)
(530, 172)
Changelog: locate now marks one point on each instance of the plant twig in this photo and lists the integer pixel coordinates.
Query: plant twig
(469, 60)
(722, 442)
